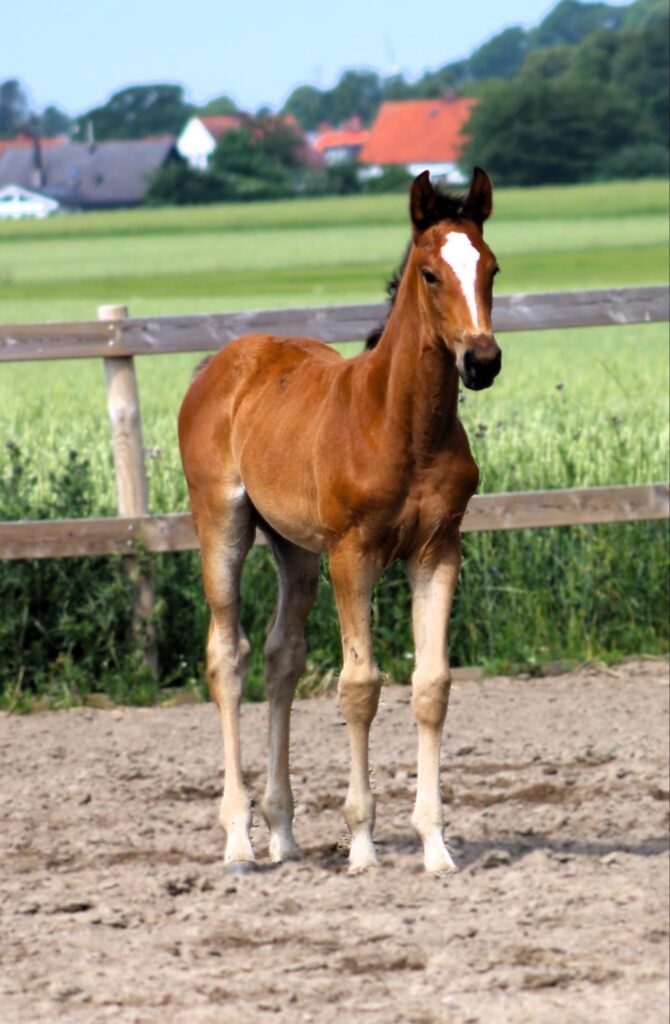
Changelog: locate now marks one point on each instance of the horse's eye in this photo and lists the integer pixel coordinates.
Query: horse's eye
(428, 276)
(496, 270)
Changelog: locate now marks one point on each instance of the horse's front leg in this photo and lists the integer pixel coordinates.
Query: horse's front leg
(432, 592)
(360, 682)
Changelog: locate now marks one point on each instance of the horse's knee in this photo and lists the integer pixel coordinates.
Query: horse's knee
(226, 666)
(285, 660)
(430, 697)
(358, 690)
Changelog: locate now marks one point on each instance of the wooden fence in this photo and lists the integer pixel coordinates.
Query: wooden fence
(117, 338)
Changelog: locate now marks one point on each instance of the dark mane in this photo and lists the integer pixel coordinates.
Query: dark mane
(448, 206)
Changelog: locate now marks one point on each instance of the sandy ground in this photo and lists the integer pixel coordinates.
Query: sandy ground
(114, 903)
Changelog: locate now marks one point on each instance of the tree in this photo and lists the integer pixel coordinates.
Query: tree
(140, 110)
(260, 159)
(220, 106)
(536, 132)
(570, 21)
(573, 108)
(308, 105)
(446, 79)
(640, 65)
(644, 160)
(177, 184)
(55, 122)
(357, 92)
(644, 12)
(502, 56)
(396, 87)
(14, 108)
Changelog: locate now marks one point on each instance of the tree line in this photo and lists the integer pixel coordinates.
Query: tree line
(596, 110)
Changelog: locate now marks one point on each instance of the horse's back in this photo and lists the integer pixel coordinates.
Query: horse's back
(252, 360)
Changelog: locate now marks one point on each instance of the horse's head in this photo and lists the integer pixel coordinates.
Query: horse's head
(455, 268)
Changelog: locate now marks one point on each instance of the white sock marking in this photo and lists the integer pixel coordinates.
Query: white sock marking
(460, 254)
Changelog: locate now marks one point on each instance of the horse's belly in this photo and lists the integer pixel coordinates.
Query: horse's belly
(296, 531)
(284, 501)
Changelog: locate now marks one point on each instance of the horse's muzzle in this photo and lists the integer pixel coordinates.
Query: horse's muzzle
(480, 366)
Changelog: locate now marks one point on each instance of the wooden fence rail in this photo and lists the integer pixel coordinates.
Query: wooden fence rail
(134, 336)
(123, 535)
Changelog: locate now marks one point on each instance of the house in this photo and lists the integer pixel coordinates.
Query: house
(200, 135)
(340, 145)
(419, 135)
(87, 175)
(16, 202)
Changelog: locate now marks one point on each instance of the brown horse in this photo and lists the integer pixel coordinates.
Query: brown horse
(364, 460)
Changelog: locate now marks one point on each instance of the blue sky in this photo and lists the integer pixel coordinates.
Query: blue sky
(76, 53)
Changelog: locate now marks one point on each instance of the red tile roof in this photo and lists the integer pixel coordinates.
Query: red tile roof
(218, 126)
(418, 131)
(23, 141)
(333, 139)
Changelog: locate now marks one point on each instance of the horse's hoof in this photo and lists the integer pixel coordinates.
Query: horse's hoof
(440, 867)
(442, 872)
(282, 850)
(241, 867)
(361, 869)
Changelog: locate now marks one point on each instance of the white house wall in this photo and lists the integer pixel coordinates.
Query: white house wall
(447, 172)
(195, 144)
(17, 202)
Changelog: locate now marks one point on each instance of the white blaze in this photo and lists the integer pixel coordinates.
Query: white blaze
(460, 254)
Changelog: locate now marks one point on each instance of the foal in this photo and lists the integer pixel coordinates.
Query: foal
(364, 460)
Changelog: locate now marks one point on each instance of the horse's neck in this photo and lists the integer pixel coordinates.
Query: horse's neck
(416, 375)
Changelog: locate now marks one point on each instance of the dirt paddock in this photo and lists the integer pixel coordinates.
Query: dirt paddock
(115, 904)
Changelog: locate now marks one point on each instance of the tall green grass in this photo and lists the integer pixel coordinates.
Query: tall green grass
(571, 408)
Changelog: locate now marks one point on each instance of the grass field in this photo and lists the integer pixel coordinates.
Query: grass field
(571, 408)
(314, 251)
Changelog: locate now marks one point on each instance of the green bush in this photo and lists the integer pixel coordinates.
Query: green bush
(66, 623)
(342, 179)
(177, 184)
(645, 160)
(392, 179)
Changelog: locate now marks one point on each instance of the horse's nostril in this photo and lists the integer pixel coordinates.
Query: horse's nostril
(470, 361)
(479, 372)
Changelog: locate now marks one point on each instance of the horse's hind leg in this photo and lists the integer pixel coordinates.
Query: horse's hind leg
(226, 534)
(285, 653)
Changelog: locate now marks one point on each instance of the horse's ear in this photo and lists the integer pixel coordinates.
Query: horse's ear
(479, 200)
(422, 205)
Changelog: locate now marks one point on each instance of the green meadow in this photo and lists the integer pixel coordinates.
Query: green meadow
(571, 408)
(314, 251)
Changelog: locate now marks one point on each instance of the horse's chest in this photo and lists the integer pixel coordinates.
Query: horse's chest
(435, 503)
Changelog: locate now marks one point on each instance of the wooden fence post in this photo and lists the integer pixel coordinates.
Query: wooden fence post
(131, 481)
